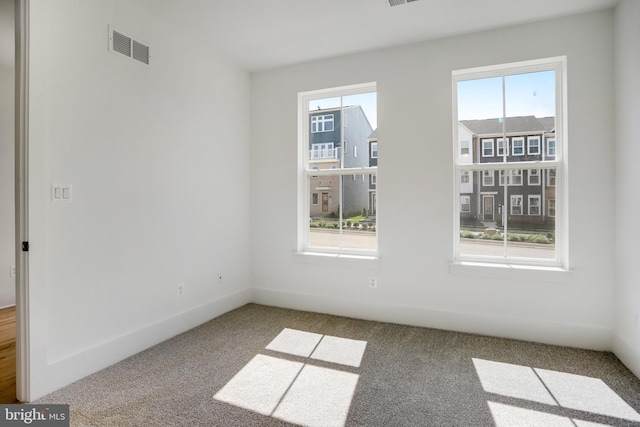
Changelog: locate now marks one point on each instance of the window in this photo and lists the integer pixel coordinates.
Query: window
(551, 177)
(322, 123)
(493, 103)
(464, 148)
(487, 148)
(533, 145)
(464, 177)
(534, 205)
(518, 146)
(331, 199)
(514, 177)
(488, 178)
(465, 203)
(551, 148)
(323, 151)
(502, 150)
(374, 150)
(516, 204)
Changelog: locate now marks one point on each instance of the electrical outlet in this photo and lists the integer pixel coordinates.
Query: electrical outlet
(180, 289)
(373, 283)
(12, 271)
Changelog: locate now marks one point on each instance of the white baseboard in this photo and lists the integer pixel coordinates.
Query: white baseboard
(80, 364)
(627, 353)
(541, 331)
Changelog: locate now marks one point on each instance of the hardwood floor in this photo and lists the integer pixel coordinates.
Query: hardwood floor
(8, 355)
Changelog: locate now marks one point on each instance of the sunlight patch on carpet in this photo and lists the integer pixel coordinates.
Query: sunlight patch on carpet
(297, 392)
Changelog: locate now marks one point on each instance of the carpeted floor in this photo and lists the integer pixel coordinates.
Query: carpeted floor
(265, 366)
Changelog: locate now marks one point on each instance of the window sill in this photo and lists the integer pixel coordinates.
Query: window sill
(510, 271)
(334, 259)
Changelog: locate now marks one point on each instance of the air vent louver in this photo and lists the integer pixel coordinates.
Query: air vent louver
(122, 43)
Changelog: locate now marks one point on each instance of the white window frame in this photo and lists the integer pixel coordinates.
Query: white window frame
(531, 174)
(517, 197)
(511, 175)
(549, 154)
(551, 179)
(559, 162)
(517, 141)
(486, 182)
(551, 208)
(306, 171)
(463, 175)
(530, 205)
(465, 149)
(374, 152)
(373, 179)
(489, 140)
(533, 138)
(321, 121)
(315, 198)
(502, 146)
(464, 204)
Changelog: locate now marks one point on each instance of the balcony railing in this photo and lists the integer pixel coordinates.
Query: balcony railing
(324, 154)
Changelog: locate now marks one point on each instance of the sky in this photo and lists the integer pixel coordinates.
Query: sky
(530, 94)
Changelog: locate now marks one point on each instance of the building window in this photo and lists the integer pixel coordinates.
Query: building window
(336, 199)
(491, 104)
(322, 123)
(487, 148)
(488, 178)
(551, 177)
(502, 150)
(464, 148)
(534, 205)
(533, 145)
(516, 204)
(374, 150)
(534, 176)
(514, 177)
(464, 177)
(518, 146)
(465, 203)
(551, 148)
(323, 151)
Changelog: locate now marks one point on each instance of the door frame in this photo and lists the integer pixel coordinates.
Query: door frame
(484, 209)
(22, 199)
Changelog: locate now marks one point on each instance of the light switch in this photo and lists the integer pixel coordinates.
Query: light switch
(61, 193)
(66, 193)
(57, 192)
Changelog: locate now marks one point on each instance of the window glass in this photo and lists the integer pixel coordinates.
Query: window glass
(339, 202)
(515, 106)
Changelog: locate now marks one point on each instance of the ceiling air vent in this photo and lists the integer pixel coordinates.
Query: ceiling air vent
(399, 2)
(124, 44)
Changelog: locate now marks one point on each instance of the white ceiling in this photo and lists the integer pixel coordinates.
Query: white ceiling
(262, 34)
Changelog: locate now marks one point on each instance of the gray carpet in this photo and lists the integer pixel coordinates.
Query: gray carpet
(265, 366)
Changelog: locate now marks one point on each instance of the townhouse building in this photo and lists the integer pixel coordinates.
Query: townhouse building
(338, 139)
(530, 193)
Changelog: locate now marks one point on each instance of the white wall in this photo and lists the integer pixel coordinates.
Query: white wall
(7, 227)
(157, 158)
(415, 191)
(7, 201)
(627, 34)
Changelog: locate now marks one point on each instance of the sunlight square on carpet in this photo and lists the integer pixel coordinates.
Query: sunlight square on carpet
(512, 416)
(511, 380)
(340, 350)
(320, 397)
(260, 384)
(292, 341)
(586, 394)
